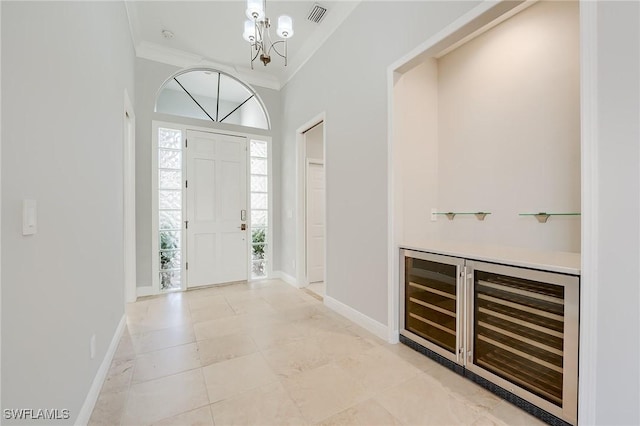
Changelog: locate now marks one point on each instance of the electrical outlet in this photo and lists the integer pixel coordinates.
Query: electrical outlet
(92, 346)
(434, 216)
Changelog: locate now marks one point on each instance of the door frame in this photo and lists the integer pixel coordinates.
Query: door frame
(299, 266)
(309, 162)
(155, 124)
(129, 199)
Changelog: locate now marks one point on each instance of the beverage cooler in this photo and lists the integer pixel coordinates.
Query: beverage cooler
(513, 327)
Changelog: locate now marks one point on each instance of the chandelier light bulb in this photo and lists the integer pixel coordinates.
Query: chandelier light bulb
(255, 9)
(285, 26)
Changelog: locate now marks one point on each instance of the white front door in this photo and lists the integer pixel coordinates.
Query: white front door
(216, 208)
(315, 222)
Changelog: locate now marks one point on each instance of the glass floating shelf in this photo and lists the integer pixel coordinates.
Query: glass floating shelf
(543, 216)
(478, 215)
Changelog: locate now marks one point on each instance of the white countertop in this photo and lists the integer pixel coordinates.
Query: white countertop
(563, 262)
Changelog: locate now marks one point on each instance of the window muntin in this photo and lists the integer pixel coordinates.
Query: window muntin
(212, 95)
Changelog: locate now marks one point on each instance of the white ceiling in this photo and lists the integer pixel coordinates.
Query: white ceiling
(209, 33)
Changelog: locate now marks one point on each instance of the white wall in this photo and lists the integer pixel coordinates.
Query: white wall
(618, 247)
(347, 79)
(65, 66)
(150, 76)
(508, 135)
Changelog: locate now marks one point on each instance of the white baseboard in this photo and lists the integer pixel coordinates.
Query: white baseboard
(286, 278)
(101, 375)
(373, 326)
(145, 291)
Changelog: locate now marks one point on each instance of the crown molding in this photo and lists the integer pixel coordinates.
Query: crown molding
(182, 59)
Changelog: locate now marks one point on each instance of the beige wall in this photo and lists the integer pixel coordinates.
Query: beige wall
(508, 125)
(415, 113)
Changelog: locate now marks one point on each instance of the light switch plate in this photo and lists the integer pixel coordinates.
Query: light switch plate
(29, 217)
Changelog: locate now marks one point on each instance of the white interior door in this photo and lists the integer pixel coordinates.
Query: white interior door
(216, 197)
(315, 221)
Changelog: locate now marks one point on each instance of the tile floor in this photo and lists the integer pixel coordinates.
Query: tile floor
(265, 353)
(317, 288)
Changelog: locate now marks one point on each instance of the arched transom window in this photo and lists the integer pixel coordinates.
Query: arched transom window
(212, 95)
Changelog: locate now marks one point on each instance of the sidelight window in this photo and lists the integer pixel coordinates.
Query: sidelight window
(259, 207)
(170, 208)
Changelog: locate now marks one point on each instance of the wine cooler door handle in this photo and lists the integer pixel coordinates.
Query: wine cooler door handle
(469, 313)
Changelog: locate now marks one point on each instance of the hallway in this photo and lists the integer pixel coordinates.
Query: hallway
(267, 353)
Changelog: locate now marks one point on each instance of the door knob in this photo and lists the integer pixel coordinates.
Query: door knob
(243, 227)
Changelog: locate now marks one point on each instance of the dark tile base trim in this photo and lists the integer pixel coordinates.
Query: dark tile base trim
(433, 355)
(491, 387)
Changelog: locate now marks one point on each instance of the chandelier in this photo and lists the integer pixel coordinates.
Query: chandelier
(256, 32)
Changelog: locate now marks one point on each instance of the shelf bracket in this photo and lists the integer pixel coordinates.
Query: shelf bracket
(542, 217)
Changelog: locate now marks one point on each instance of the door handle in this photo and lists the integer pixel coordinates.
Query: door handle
(243, 227)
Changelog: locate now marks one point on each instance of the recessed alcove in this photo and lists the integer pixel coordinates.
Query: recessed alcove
(489, 121)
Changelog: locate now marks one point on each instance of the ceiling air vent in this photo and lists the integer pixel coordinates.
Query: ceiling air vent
(317, 13)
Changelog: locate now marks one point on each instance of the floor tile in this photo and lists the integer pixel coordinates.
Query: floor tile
(125, 349)
(368, 413)
(285, 300)
(230, 378)
(250, 306)
(109, 409)
(211, 313)
(342, 342)
(232, 325)
(266, 405)
(378, 369)
(165, 362)
(199, 417)
(165, 397)
(224, 348)
(324, 391)
(457, 385)
(158, 320)
(119, 376)
(414, 358)
(424, 401)
(281, 357)
(277, 335)
(366, 335)
(161, 339)
(208, 300)
(507, 413)
(298, 356)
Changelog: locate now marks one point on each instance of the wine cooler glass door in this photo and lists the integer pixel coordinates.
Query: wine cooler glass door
(525, 330)
(432, 305)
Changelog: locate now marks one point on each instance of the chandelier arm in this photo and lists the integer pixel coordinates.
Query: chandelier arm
(258, 50)
(275, 49)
